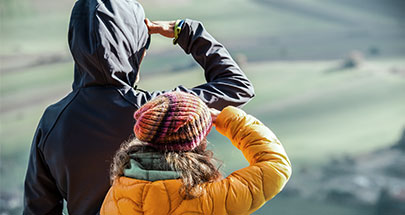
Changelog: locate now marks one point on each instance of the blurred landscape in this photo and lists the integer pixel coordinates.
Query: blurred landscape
(329, 78)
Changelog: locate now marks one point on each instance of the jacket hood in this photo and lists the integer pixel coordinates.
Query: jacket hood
(107, 40)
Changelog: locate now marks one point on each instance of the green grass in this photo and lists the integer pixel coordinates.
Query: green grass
(316, 113)
(35, 33)
(319, 114)
(32, 78)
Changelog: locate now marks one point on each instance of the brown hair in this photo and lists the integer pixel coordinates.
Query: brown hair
(196, 167)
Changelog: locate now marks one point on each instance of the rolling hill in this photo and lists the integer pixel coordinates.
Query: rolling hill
(294, 53)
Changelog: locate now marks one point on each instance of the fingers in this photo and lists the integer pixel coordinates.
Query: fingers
(214, 114)
(153, 27)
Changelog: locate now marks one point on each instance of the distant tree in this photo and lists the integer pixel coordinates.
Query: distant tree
(374, 50)
(401, 143)
(339, 166)
(341, 196)
(353, 60)
(398, 71)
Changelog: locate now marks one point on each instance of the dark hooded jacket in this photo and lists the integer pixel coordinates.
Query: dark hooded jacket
(77, 137)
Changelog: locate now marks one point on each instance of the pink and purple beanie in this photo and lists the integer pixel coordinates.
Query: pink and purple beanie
(174, 121)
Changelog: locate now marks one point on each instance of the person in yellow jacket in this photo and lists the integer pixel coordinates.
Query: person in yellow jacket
(166, 168)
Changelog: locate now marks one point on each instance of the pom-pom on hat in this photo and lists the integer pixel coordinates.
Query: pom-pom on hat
(174, 121)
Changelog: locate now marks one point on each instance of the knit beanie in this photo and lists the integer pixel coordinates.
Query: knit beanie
(174, 121)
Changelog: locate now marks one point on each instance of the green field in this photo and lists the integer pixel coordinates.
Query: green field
(315, 113)
(318, 109)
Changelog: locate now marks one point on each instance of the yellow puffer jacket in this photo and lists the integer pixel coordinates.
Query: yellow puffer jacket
(242, 192)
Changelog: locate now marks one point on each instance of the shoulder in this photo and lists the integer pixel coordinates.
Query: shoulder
(51, 115)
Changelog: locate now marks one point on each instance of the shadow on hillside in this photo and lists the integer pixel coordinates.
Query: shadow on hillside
(374, 180)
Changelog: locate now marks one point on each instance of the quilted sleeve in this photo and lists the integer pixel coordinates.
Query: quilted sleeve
(249, 188)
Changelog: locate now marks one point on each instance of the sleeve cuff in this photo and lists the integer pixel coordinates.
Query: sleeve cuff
(177, 29)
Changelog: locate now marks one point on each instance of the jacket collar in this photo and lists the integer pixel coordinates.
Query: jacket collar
(150, 167)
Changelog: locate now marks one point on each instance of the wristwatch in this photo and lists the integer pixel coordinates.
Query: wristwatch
(177, 29)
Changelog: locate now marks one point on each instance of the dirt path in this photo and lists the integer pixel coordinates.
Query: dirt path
(300, 7)
(49, 97)
(21, 62)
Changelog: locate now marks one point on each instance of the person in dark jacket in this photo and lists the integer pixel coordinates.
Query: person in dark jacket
(76, 138)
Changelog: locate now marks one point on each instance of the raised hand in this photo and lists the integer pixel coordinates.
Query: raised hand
(164, 28)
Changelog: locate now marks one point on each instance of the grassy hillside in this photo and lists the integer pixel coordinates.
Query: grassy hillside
(317, 109)
(316, 113)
